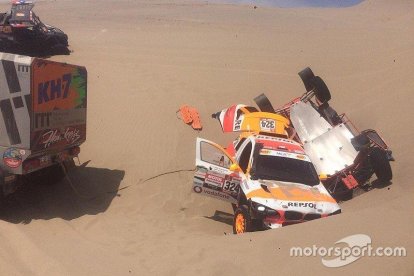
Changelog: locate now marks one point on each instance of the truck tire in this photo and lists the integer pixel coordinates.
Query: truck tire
(242, 221)
(48, 176)
(380, 164)
(56, 174)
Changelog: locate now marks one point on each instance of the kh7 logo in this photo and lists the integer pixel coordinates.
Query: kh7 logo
(54, 89)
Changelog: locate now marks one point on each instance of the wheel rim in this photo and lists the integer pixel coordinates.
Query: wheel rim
(239, 223)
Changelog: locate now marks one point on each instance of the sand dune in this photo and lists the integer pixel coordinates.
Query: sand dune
(145, 59)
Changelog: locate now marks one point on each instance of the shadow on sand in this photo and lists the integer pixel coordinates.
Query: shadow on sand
(222, 217)
(90, 191)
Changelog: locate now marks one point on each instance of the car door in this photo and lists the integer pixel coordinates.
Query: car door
(217, 174)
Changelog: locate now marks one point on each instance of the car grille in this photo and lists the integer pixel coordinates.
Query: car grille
(312, 216)
(287, 223)
(292, 215)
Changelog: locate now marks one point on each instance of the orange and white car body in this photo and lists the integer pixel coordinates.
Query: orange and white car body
(272, 174)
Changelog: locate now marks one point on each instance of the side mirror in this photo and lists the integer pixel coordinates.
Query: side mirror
(234, 168)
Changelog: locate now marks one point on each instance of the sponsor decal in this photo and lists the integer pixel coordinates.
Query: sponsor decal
(57, 87)
(217, 194)
(215, 180)
(302, 204)
(50, 137)
(70, 136)
(218, 169)
(12, 158)
(284, 154)
(54, 89)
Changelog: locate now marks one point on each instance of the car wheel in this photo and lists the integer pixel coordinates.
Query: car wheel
(307, 75)
(321, 90)
(380, 164)
(242, 222)
(264, 104)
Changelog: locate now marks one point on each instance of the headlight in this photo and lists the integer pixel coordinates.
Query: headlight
(263, 210)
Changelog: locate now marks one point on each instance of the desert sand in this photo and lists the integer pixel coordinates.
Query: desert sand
(144, 60)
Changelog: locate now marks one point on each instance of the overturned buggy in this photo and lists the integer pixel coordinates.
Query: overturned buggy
(344, 157)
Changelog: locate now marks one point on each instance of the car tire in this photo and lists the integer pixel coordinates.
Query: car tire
(242, 221)
(307, 76)
(321, 90)
(380, 164)
(264, 104)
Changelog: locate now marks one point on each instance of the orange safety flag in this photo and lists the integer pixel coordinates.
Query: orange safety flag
(190, 115)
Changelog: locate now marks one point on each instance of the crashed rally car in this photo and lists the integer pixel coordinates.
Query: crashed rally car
(268, 179)
(22, 32)
(289, 164)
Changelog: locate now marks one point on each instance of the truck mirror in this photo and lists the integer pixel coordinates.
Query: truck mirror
(234, 167)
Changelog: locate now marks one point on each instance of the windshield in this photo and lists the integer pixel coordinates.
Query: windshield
(285, 169)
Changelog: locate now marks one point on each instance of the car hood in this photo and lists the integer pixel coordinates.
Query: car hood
(291, 196)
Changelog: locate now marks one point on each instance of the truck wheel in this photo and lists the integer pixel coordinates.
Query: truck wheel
(380, 164)
(242, 222)
(56, 174)
(48, 176)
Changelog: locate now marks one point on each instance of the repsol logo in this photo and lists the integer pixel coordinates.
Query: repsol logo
(54, 89)
(302, 204)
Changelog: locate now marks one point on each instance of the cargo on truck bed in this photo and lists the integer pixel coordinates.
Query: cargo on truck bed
(43, 114)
